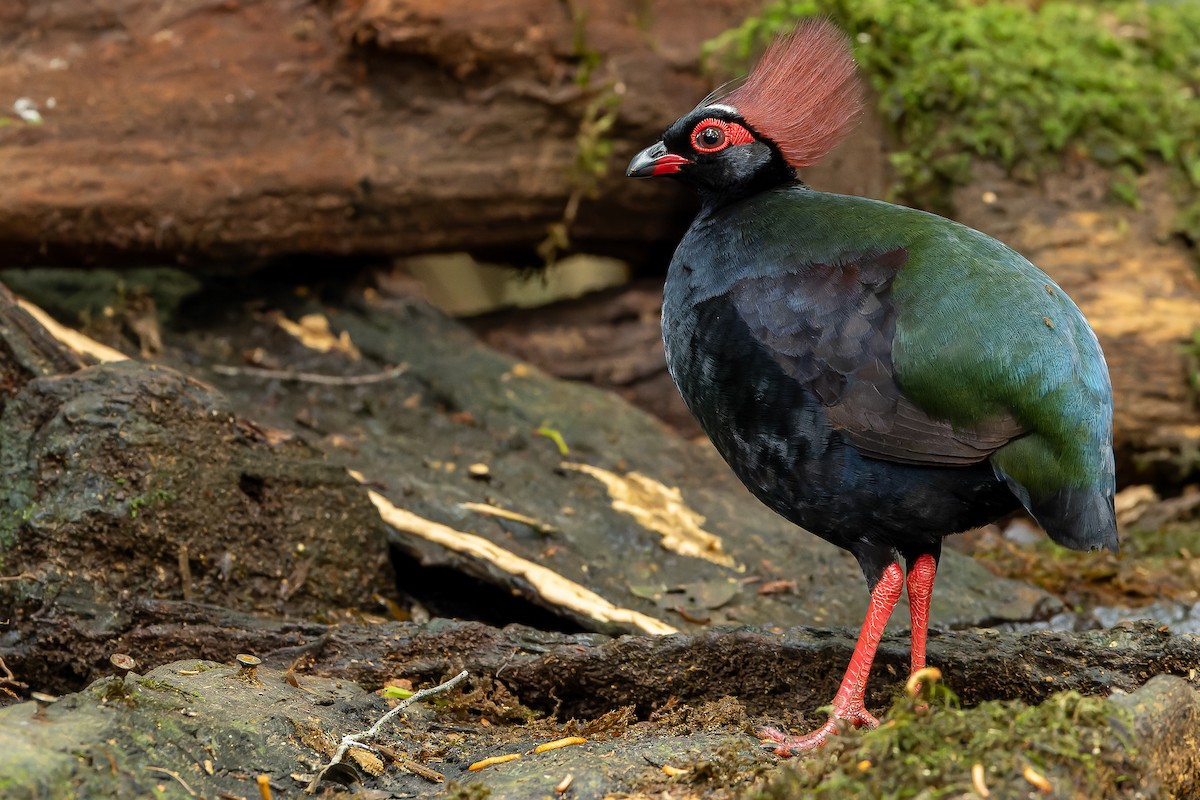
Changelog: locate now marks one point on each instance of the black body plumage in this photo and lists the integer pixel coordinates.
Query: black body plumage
(761, 374)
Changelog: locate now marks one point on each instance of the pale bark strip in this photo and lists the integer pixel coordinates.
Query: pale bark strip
(554, 589)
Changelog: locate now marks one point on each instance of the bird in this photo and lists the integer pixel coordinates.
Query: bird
(880, 376)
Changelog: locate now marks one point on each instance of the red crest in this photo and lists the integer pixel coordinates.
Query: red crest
(804, 93)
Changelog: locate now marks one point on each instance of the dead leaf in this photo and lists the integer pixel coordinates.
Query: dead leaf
(707, 594)
(313, 331)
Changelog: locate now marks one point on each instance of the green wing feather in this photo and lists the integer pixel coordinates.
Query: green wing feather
(981, 334)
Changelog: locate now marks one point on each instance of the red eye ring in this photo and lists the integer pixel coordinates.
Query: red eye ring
(730, 133)
(704, 140)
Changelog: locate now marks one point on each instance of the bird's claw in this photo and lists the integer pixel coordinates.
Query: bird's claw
(785, 745)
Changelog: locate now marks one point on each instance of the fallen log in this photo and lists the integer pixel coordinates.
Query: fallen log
(204, 132)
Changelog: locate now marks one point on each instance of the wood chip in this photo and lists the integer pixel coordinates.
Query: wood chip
(73, 339)
(977, 781)
(487, 762)
(1037, 779)
(367, 761)
(661, 509)
(556, 744)
(420, 769)
(313, 331)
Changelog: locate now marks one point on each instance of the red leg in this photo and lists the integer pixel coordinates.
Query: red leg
(920, 592)
(848, 705)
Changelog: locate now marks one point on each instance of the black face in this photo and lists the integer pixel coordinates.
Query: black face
(716, 151)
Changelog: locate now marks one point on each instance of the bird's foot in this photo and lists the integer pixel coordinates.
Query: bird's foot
(783, 744)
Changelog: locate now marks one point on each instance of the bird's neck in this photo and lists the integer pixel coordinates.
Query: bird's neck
(714, 199)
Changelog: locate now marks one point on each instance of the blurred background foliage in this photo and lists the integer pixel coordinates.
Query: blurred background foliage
(1023, 84)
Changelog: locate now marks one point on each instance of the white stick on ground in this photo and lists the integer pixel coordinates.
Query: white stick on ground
(355, 739)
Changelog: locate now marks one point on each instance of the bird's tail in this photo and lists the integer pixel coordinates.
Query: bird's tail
(1078, 518)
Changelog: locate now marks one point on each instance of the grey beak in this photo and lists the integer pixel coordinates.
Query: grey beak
(655, 160)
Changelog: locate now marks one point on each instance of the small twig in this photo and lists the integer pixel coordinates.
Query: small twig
(311, 377)
(177, 777)
(504, 513)
(355, 739)
(24, 576)
(185, 573)
(7, 679)
(433, 776)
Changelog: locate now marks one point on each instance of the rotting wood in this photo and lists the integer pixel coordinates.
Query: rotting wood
(88, 729)
(660, 508)
(72, 339)
(586, 675)
(553, 588)
(31, 349)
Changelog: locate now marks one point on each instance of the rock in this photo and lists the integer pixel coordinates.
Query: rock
(1181, 617)
(187, 726)
(1166, 733)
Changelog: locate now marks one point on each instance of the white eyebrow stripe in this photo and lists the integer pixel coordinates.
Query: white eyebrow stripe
(722, 107)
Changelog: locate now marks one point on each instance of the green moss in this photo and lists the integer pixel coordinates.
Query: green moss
(1022, 84)
(1078, 743)
(73, 295)
(148, 499)
(168, 688)
(470, 791)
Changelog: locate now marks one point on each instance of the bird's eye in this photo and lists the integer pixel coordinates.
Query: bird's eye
(712, 135)
(710, 138)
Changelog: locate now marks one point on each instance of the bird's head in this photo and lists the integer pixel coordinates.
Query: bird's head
(799, 101)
